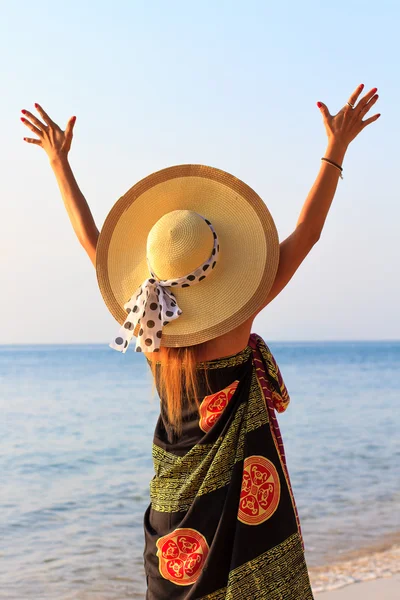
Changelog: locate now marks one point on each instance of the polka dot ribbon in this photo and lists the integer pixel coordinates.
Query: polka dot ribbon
(153, 306)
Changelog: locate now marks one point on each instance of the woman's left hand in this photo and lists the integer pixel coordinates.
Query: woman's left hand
(344, 127)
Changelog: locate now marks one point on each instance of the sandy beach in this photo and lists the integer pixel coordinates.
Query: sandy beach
(373, 574)
(379, 589)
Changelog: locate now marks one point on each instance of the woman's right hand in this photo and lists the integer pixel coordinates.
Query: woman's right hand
(54, 141)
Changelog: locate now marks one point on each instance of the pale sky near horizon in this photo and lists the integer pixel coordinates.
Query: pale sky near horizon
(229, 84)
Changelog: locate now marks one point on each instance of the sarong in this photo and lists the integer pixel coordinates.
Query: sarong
(222, 523)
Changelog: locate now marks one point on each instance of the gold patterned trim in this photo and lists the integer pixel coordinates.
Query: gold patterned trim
(280, 404)
(278, 443)
(227, 361)
(202, 470)
(206, 467)
(280, 572)
(234, 360)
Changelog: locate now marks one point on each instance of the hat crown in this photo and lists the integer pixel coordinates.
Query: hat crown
(178, 243)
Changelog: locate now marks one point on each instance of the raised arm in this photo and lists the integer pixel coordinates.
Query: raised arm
(57, 143)
(341, 129)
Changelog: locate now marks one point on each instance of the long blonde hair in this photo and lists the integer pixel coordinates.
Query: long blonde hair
(176, 375)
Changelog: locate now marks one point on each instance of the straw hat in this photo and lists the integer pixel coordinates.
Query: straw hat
(165, 226)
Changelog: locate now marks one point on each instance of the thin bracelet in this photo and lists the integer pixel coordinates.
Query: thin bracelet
(330, 162)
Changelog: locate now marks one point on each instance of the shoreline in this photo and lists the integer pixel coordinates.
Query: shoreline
(387, 588)
(380, 562)
(378, 543)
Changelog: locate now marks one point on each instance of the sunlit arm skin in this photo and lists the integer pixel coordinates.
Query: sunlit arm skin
(57, 144)
(77, 208)
(341, 130)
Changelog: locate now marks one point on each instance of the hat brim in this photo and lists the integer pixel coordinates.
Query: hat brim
(247, 264)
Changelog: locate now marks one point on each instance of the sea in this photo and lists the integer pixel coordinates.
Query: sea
(76, 426)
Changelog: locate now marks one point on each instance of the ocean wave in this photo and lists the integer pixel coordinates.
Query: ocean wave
(374, 565)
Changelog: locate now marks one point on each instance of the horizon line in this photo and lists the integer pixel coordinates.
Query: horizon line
(355, 340)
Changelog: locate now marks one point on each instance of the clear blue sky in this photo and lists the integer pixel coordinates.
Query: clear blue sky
(229, 84)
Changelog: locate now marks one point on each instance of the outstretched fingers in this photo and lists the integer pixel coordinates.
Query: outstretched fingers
(369, 121)
(366, 99)
(34, 129)
(356, 94)
(324, 110)
(34, 119)
(69, 128)
(33, 141)
(44, 115)
(367, 107)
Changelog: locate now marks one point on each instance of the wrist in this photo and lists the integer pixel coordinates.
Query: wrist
(336, 151)
(58, 160)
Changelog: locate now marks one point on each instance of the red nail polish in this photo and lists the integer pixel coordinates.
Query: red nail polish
(319, 104)
(22, 119)
(375, 90)
(23, 112)
(36, 104)
(361, 86)
(73, 118)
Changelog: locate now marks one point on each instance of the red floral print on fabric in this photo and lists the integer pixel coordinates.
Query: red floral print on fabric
(214, 405)
(182, 555)
(261, 491)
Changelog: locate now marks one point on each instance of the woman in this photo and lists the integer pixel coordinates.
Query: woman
(185, 261)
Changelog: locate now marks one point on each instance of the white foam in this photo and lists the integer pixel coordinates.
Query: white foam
(363, 568)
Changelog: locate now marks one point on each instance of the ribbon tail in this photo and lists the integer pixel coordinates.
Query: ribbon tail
(125, 333)
(123, 338)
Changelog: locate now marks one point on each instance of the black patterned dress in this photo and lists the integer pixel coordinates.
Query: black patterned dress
(222, 523)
